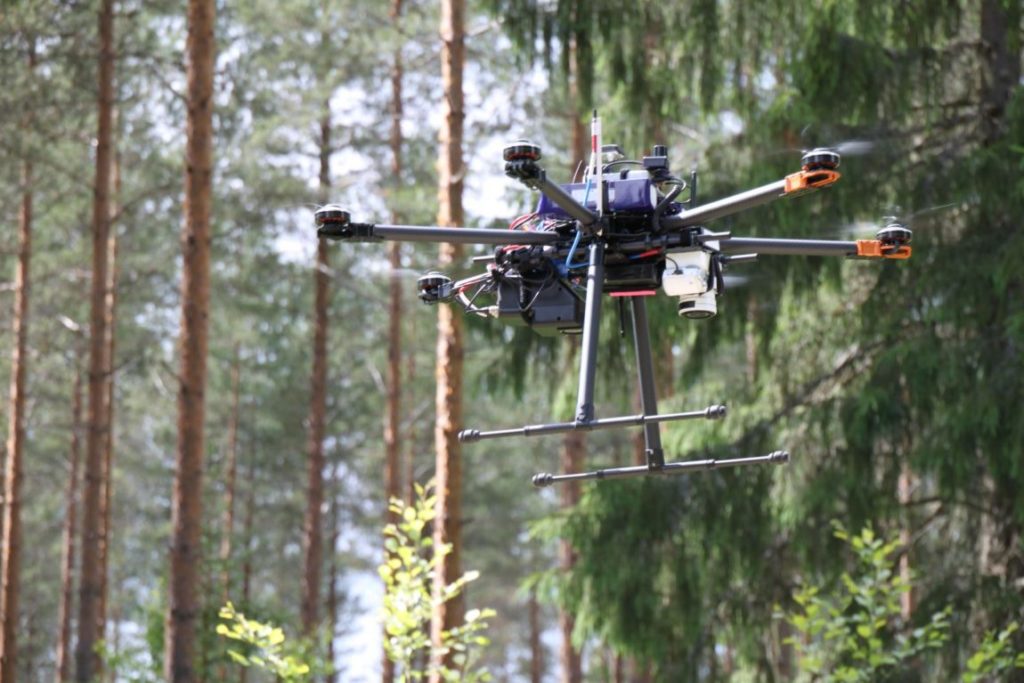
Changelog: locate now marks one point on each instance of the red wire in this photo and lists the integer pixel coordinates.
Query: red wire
(522, 219)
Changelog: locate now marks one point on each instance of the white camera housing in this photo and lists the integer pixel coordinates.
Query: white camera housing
(687, 275)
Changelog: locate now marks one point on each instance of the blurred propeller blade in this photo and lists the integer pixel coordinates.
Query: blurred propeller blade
(735, 281)
(853, 148)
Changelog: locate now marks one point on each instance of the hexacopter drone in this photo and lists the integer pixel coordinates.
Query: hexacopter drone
(621, 232)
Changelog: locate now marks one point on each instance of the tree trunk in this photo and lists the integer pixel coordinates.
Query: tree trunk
(230, 475)
(410, 436)
(11, 558)
(392, 441)
(115, 620)
(448, 468)
(185, 553)
(639, 441)
(904, 486)
(107, 475)
(332, 583)
(250, 507)
(536, 648)
(641, 672)
(1000, 36)
(750, 339)
(573, 456)
(313, 533)
(574, 443)
(579, 140)
(86, 660)
(67, 577)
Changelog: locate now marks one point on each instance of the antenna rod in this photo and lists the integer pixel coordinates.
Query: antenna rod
(595, 158)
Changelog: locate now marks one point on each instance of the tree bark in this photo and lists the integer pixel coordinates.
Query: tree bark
(332, 583)
(313, 533)
(107, 475)
(115, 635)
(639, 442)
(1000, 39)
(536, 648)
(250, 507)
(641, 671)
(573, 456)
(750, 339)
(410, 436)
(230, 476)
(10, 561)
(574, 443)
(67, 576)
(392, 440)
(86, 660)
(185, 553)
(448, 402)
(579, 140)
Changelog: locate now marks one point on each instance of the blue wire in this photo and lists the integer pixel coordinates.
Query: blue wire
(576, 240)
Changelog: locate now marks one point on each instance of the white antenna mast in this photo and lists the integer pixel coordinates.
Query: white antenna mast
(595, 159)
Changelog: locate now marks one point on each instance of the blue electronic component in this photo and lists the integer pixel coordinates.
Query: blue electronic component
(634, 195)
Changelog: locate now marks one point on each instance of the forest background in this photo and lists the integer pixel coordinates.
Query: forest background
(896, 386)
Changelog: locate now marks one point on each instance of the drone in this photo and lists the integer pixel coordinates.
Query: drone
(619, 231)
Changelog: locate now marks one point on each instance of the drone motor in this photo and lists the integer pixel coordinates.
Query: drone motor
(521, 149)
(820, 159)
(332, 221)
(894, 235)
(434, 287)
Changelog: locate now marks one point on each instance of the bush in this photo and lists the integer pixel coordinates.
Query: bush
(409, 600)
(855, 633)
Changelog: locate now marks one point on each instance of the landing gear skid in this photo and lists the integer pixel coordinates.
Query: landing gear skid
(649, 419)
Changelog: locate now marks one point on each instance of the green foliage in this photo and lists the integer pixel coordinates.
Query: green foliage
(133, 664)
(862, 370)
(263, 646)
(409, 600)
(857, 368)
(994, 655)
(854, 633)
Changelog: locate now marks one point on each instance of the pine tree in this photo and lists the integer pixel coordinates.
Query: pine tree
(851, 72)
(448, 468)
(536, 648)
(333, 598)
(392, 425)
(574, 444)
(67, 580)
(110, 315)
(185, 555)
(230, 477)
(10, 568)
(87, 663)
(313, 530)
